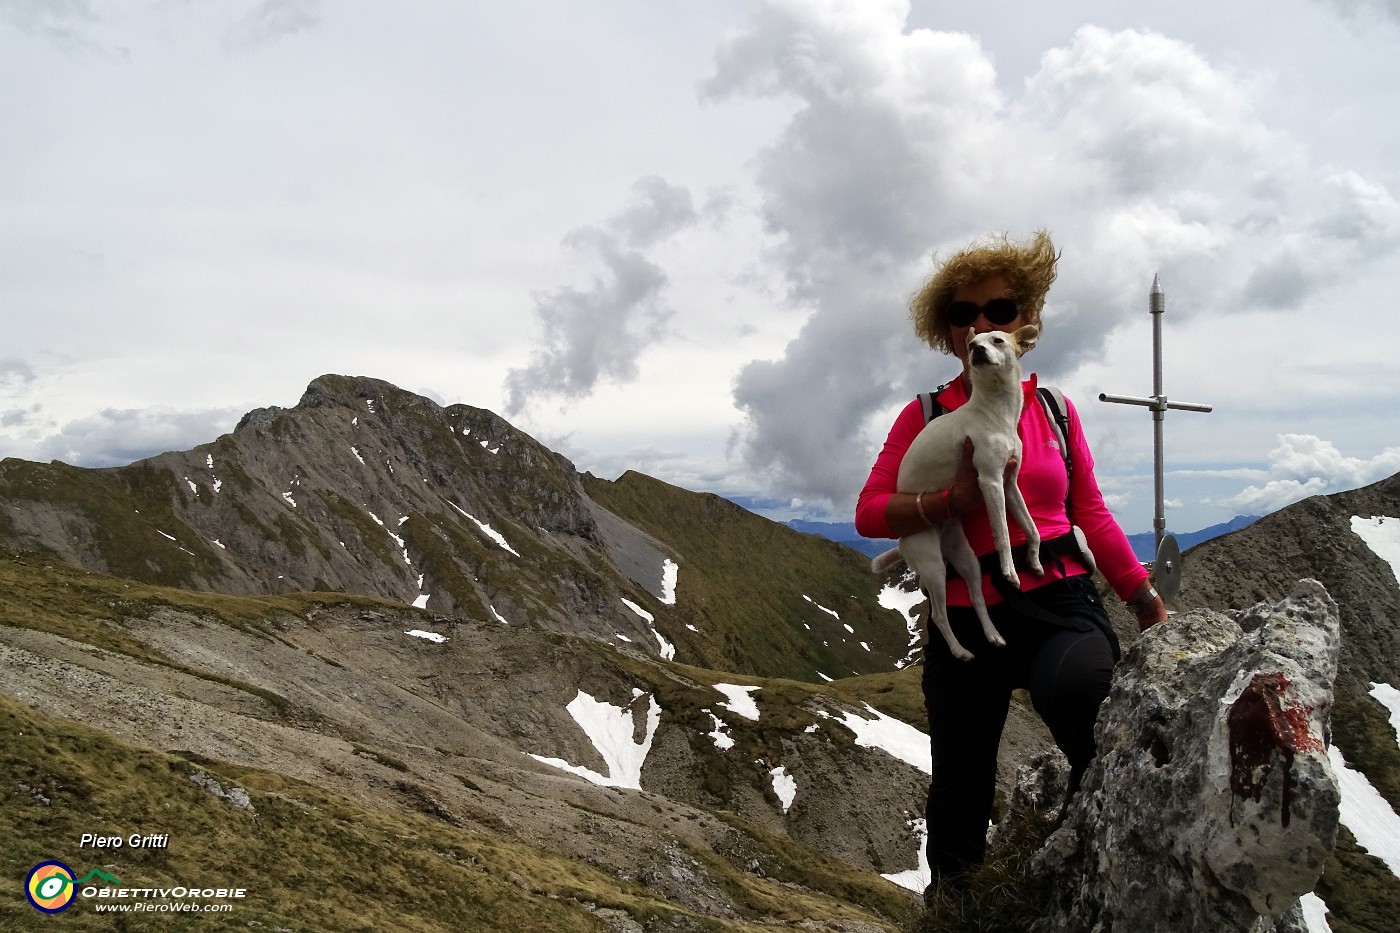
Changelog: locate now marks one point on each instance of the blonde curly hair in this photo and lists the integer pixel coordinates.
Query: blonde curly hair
(1029, 270)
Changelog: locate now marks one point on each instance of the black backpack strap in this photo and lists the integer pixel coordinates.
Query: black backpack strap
(929, 400)
(931, 407)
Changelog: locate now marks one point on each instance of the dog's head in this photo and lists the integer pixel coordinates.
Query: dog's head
(1000, 350)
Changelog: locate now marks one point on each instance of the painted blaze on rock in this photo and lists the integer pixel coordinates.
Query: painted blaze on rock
(1262, 727)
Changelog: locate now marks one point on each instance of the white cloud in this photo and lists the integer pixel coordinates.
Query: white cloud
(1363, 9)
(60, 20)
(271, 20)
(598, 332)
(15, 372)
(1303, 465)
(1137, 150)
(114, 437)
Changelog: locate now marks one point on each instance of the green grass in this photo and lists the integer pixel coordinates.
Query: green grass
(309, 860)
(1001, 896)
(743, 579)
(118, 515)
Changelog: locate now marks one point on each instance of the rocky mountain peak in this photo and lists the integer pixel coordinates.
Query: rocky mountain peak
(368, 489)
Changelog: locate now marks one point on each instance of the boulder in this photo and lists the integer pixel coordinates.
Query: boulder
(1211, 805)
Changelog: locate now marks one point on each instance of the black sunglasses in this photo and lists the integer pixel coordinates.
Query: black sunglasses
(998, 311)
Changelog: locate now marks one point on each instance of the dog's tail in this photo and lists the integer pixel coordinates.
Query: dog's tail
(886, 561)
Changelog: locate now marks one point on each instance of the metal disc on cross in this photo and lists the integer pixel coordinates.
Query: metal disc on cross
(1166, 569)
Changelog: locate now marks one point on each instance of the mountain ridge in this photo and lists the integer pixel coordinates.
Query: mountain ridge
(365, 488)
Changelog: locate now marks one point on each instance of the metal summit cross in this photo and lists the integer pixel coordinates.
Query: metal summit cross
(1167, 566)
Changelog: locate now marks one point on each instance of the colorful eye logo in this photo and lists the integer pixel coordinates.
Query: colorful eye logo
(50, 887)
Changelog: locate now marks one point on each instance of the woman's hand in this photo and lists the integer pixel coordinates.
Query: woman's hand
(965, 495)
(906, 514)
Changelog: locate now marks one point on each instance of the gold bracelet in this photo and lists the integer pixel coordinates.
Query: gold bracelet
(919, 504)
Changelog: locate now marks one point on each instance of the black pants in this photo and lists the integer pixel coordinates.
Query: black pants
(1066, 668)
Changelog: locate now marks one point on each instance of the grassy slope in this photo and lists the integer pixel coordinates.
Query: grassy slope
(309, 860)
(119, 515)
(313, 860)
(743, 578)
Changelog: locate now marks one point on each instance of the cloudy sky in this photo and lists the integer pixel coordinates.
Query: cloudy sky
(679, 236)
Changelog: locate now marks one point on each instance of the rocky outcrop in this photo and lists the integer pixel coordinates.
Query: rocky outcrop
(1211, 805)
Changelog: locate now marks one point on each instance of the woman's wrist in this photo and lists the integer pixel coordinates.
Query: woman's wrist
(1144, 594)
(919, 507)
(936, 506)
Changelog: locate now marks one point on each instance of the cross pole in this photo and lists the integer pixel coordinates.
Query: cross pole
(1159, 403)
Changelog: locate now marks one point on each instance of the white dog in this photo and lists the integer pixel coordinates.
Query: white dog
(989, 418)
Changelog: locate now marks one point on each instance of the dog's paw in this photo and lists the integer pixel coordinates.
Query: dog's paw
(1036, 568)
(998, 642)
(962, 654)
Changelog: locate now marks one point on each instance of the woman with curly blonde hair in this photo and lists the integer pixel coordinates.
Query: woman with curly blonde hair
(1059, 643)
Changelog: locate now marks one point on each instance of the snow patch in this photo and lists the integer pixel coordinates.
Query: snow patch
(721, 738)
(486, 529)
(669, 571)
(906, 604)
(668, 650)
(785, 786)
(429, 636)
(890, 735)
(915, 879)
(1367, 814)
(1315, 914)
(1382, 535)
(610, 729)
(1389, 697)
(740, 702)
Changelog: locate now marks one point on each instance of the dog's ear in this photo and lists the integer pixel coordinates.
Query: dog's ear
(1025, 338)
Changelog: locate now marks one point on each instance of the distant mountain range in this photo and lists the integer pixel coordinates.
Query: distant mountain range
(1144, 545)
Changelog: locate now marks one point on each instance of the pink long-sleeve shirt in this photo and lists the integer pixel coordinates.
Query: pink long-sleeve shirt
(1043, 485)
